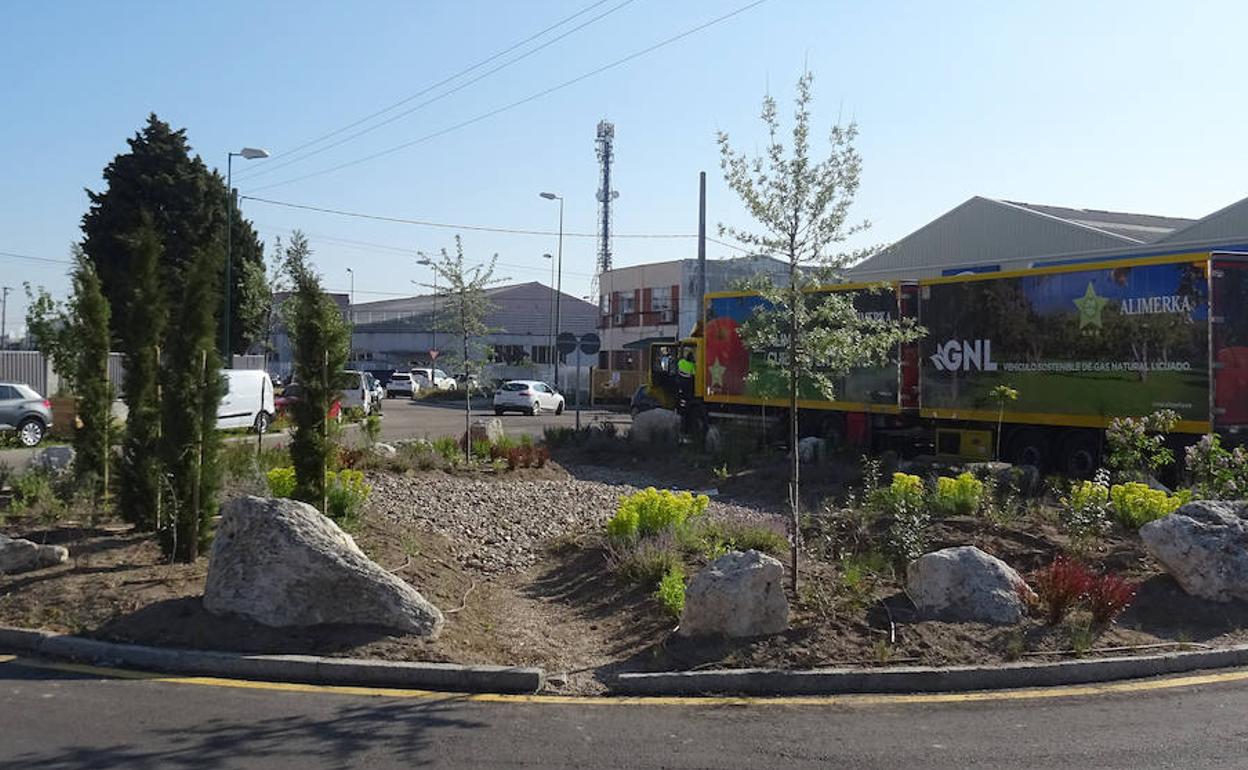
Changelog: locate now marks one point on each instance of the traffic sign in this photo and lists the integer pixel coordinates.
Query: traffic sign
(565, 343)
(590, 344)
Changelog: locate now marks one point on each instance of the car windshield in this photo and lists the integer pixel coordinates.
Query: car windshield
(403, 377)
(516, 386)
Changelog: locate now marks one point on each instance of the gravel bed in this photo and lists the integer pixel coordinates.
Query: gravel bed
(501, 526)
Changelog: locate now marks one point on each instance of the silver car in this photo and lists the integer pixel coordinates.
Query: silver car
(25, 411)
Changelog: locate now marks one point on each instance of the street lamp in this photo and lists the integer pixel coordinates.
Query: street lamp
(352, 274)
(553, 361)
(247, 153)
(559, 280)
(427, 262)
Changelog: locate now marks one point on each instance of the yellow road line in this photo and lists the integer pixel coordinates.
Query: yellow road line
(570, 700)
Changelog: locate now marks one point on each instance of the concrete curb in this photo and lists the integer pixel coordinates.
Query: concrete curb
(307, 669)
(911, 679)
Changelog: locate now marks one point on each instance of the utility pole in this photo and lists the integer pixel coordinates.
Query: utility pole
(701, 316)
(4, 315)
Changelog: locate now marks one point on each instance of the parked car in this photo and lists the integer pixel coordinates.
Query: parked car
(294, 392)
(378, 390)
(400, 385)
(25, 411)
(356, 393)
(248, 400)
(426, 377)
(529, 396)
(467, 381)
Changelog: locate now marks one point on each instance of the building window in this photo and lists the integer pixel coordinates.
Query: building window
(604, 304)
(626, 303)
(509, 354)
(660, 299)
(542, 354)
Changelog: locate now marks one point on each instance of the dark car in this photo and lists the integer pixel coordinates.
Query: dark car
(25, 411)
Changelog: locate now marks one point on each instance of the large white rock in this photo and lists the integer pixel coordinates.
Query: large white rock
(1204, 546)
(281, 563)
(738, 594)
(490, 430)
(656, 426)
(964, 583)
(18, 555)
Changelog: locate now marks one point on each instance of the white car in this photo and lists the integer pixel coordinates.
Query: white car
(248, 400)
(356, 393)
(400, 384)
(424, 377)
(528, 396)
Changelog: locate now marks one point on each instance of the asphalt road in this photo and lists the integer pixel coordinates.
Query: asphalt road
(59, 721)
(403, 418)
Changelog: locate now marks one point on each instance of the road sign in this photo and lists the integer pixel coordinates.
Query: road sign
(590, 344)
(565, 343)
(433, 355)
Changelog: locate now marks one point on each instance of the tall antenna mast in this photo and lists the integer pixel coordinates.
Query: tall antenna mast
(606, 154)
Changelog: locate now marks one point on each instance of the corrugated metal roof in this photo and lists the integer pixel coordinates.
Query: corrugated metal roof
(1141, 228)
(1230, 222)
(518, 309)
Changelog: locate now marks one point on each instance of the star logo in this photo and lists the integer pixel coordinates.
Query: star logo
(717, 373)
(1090, 306)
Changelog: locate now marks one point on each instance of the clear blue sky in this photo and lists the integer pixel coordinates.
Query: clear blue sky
(1134, 106)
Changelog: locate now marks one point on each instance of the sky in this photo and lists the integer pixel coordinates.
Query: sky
(1128, 106)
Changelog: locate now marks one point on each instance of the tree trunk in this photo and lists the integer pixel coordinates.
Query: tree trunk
(795, 458)
(463, 320)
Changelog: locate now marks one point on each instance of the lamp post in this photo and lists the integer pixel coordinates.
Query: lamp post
(4, 315)
(247, 153)
(427, 262)
(553, 360)
(351, 273)
(559, 280)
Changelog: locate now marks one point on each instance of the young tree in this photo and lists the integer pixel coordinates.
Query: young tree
(141, 337)
(193, 388)
(319, 337)
(95, 392)
(159, 180)
(802, 207)
(464, 313)
(54, 333)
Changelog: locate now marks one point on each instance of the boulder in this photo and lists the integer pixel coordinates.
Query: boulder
(738, 594)
(53, 458)
(656, 426)
(18, 555)
(281, 563)
(1204, 546)
(382, 449)
(490, 430)
(964, 583)
(812, 449)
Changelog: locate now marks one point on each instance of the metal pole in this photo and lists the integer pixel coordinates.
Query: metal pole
(559, 288)
(701, 316)
(229, 257)
(554, 361)
(4, 314)
(578, 388)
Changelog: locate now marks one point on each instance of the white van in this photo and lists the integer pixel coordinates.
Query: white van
(356, 391)
(248, 400)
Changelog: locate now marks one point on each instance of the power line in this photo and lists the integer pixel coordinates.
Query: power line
(11, 255)
(452, 226)
(519, 102)
(268, 168)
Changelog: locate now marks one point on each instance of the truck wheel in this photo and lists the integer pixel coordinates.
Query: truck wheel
(1029, 447)
(1081, 454)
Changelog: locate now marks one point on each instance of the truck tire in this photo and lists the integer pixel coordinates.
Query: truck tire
(1081, 454)
(1029, 446)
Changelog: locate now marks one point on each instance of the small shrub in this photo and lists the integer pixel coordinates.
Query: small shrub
(447, 447)
(903, 500)
(1085, 511)
(1136, 504)
(650, 511)
(740, 536)
(960, 496)
(558, 436)
(345, 495)
(6, 474)
(1137, 445)
(671, 591)
(420, 455)
(1218, 474)
(1108, 596)
(644, 562)
(1081, 638)
(350, 457)
(372, 429)
(281, 481)
(1061, 586)
(481, 449)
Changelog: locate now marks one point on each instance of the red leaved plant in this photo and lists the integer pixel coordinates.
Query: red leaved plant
(1108, 596)
(1061, 586)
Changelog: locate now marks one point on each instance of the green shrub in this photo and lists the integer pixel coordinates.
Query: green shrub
(736, 536)
(671, 591)
(1137, 445)
(34, 490)
(1085, 511)
(281, 481)
(448, 448)
(345, 495)
(650, 511)
(1216, 472)
(960, 496)
(372, 429)
(903, 500)
(1136, 504)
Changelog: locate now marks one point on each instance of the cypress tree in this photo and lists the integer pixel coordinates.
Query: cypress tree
(95, 393)
(141, 335)
(319, 340)
(194, 386)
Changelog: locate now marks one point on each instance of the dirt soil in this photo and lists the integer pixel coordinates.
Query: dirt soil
(567, 613)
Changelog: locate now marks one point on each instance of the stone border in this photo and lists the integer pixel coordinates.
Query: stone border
(308, 669)
(912, 679)
(450, 677)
